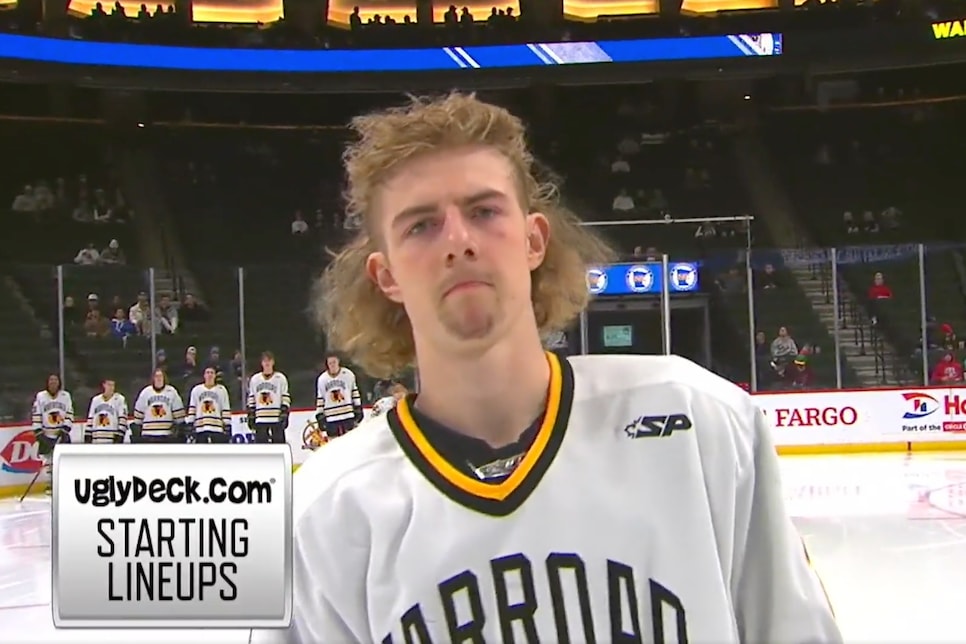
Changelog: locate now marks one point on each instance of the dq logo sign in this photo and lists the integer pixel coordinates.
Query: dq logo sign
(20, 455)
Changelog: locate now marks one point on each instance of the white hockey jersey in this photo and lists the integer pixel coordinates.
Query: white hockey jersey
(268, 396)
(648, 508)
(106, 419)
(51, 413)
(382, 406)
(157, 411)
(337, 397)
(209, 409)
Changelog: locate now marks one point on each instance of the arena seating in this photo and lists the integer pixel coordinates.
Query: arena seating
(889, 157)
(231, 193)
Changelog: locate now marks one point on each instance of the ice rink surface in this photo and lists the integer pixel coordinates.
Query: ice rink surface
(886, 532)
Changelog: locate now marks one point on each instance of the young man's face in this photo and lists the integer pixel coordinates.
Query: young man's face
(457, 247)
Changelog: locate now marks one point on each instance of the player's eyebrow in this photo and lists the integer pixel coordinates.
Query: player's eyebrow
(421, 210)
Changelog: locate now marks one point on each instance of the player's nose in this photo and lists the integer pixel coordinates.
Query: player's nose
(459, 240)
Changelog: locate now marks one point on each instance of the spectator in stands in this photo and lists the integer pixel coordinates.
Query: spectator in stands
(799, 375)
(96, 326)
(72, 315)
(869, 225)
(93, 302)
(299, 225)
(947, 372)
(83, 212)
(192, 311)
(25, 202)
(628, 146)
(620, 166)
(236, 371)
(140, 313)
(44, 196)
(191, 371)
(949, 341)
(623, 202)
(161, 360)
(767, 278)
(890, 218)
(878, 292)
(102, 211)
(851, 228)
(113, 254)
(60, 193)
(783, 347)
(733, 281)
(214, 361)
(121, 326)
(166, 316)
(87, 256)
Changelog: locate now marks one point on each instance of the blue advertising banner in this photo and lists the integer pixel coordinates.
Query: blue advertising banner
(645, 278)
(78, 52)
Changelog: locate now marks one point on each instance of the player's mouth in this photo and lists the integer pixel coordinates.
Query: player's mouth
(465, 285)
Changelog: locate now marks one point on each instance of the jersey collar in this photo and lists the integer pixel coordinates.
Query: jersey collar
(497, 499)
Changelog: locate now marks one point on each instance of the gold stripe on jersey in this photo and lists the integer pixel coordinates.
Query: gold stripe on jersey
(498, 499)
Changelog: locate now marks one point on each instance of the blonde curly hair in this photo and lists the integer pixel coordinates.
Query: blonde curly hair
(355, 315)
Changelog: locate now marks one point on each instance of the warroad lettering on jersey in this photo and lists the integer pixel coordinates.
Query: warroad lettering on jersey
(511, 583)
(154, 536)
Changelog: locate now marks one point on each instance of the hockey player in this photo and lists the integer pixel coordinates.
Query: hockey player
(52, 418)
(268, 402)
(106, 416)
(159, 414)
(521, 496)
(397, 391)
(338, 405)
(209, 410)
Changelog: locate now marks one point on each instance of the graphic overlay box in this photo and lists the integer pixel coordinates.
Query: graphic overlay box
(172, 536)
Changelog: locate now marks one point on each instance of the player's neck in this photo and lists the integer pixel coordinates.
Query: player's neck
(493, 398)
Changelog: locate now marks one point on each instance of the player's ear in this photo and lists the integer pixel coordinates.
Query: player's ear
(538, 236)
(378, 270)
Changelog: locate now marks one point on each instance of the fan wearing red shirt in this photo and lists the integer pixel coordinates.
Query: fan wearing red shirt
(879, 289)
(948, 371)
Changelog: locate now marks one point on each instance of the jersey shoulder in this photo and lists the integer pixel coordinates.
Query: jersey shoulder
(343, 468)
(664, 385)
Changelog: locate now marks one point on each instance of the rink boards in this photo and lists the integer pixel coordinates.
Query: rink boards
(840, 421)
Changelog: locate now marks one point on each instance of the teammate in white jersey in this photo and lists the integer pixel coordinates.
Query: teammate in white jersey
(51, 417)
(338, 405)
(520, 496)
(159, 413)
(269, 402)
(397, 391)
(106, 416)
(209, 410)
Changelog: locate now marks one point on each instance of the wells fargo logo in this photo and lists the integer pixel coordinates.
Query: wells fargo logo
(949, 29)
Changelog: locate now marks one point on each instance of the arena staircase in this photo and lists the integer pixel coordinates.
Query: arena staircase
(29, 348)
(160, 246)
(777, 214)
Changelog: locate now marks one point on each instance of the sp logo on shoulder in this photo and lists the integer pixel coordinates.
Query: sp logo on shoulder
(172, 536)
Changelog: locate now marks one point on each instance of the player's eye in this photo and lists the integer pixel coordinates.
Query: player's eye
(485, 212)
(419, 227)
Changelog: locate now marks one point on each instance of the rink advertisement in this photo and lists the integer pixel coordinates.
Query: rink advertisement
(868, 417)
(172, 536)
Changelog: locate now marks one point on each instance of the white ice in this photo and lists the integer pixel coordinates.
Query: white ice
(887, 534)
